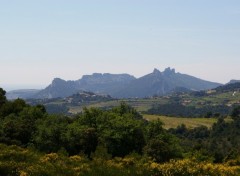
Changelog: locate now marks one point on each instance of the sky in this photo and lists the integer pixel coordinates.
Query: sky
(41, 40)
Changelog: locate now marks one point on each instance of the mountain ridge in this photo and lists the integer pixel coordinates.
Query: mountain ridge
(97, 82)
(161, 83)
(125, 85)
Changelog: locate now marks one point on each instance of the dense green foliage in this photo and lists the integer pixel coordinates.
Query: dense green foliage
(121, 130)
(117, 141)
(2, 97)
(220, 143)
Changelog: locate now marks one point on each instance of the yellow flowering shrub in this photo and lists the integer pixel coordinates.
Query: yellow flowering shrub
(52, 157)
(188, 167)
(17, 161)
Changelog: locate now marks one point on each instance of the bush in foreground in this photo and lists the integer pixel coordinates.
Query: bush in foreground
(18, 161)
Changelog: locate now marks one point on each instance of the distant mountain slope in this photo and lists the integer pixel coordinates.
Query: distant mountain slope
(22, 93)
(104, 83)
(58, 88)
(126, 86)
(233, 81)
(97, 82)
(235, 86)
(161, 83)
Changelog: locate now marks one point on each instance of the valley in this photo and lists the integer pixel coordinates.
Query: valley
(212, 103)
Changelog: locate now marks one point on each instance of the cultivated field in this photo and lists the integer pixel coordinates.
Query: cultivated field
(173, 122)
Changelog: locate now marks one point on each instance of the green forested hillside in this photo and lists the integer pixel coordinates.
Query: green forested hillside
(211, 103)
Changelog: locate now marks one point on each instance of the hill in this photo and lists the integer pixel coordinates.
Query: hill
(208, 103)
(234, 87)
(65, 105)
(86, 97)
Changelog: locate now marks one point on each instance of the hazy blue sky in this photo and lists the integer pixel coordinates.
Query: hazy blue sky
(43, 39)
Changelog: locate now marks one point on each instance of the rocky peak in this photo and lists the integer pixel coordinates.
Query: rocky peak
(57, 81)
(156, 71)
(169, 71)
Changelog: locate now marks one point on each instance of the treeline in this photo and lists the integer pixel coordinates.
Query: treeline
(219, 144)
(117, 141)
(179, 110)
(228, 87)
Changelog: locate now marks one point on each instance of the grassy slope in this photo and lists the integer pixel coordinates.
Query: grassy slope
(141, 105)
(144, 104)
(173, 122)
(214, 99)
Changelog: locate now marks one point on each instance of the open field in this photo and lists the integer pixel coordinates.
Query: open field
(140, 105)
(226, 98)
(173, 122)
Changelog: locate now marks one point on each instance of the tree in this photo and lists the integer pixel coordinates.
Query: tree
(235, 114)
(154, 128)
(163, 147)
(2, 97)
(127, 111)
(13, 107)
(19, 128)
(50, 133)
(119, 129)
(122, 135)
(89, 117)
(80, 139)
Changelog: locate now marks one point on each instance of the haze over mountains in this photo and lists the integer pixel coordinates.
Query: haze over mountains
(123, 85)
(99, 83)
(162, 83)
